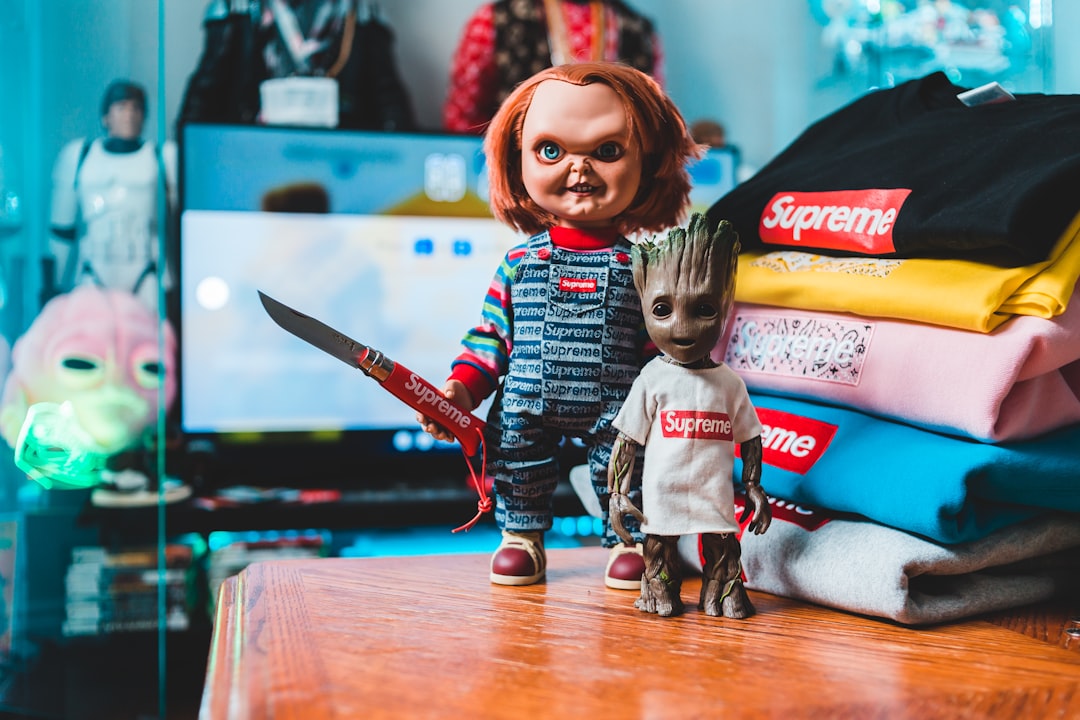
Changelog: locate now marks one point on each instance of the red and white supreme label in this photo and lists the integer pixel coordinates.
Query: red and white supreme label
(793, 442)
(695, 425)
(851, 220)
(577, 285)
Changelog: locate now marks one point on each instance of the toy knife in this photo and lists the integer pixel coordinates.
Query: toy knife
(404, 384)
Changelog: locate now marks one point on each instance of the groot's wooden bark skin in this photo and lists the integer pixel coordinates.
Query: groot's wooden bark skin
(662, 581)
(722, 590)
(620, 468)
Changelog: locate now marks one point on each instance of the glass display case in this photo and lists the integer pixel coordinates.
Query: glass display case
(87, 357)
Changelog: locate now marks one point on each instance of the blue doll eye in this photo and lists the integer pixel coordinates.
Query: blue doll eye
(550, 151)
(609, 151)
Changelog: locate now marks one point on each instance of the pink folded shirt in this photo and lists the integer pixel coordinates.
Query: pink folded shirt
(1017, 382)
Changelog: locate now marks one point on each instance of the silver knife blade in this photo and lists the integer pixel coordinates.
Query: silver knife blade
(315, 332)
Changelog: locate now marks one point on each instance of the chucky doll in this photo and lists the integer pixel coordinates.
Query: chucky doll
(579, 157)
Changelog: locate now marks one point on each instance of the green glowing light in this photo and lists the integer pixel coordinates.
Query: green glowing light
(54, 450)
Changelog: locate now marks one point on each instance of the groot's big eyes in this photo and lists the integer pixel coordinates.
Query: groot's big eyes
(705, 310)
(661, 310)
(550, 151)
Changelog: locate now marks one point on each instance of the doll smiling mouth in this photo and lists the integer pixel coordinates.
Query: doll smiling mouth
(582, 189)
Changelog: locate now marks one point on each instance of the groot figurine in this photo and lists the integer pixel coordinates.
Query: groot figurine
(689, 412)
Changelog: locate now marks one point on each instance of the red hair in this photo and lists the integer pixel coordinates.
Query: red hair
(654, 122)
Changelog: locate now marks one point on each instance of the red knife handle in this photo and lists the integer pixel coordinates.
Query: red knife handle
(420, 395)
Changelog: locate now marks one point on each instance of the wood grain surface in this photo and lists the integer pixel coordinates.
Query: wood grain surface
(431, 637)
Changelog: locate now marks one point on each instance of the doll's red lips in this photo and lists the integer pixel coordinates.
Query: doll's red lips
(581, 188)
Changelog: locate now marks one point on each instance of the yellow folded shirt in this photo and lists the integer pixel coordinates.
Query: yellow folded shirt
(954, 293)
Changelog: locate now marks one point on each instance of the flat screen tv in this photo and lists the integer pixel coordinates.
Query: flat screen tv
(386, 237)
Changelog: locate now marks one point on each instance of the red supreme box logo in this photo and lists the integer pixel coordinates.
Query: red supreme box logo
(851, 220)
(695, 425)
(577, 285)
(793, 442)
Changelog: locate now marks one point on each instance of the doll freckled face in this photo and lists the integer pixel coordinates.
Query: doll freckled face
(579, 162)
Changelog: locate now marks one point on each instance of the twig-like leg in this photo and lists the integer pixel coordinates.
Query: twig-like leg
(722, 591)
(662, 581)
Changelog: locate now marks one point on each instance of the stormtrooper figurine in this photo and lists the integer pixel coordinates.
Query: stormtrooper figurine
(105, 201)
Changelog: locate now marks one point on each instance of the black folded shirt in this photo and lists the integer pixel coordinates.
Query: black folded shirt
(913, 172)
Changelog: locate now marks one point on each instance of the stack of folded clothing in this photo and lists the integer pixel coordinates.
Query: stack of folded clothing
(907, 325)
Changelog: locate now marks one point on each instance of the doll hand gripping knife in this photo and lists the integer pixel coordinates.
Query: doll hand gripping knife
(404, 384)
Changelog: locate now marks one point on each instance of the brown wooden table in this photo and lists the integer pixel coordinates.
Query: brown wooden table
(431, 637)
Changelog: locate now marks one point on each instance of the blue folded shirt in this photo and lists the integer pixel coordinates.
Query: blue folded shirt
(945, 488)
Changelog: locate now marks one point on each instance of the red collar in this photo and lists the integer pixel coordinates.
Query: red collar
(583, 240)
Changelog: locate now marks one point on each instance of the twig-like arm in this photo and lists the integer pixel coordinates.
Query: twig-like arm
(621, 467)
(756, 501)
